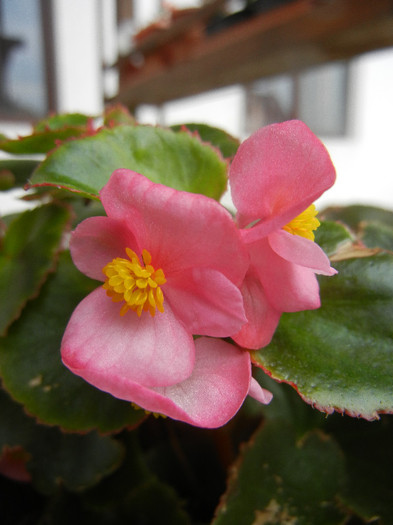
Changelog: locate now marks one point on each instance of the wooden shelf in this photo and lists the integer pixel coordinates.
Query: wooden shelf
(185, 60)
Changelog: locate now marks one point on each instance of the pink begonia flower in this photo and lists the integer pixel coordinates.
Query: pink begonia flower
(171, 263)
(275, 176)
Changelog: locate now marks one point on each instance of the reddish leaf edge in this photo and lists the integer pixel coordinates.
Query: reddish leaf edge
(329, 409)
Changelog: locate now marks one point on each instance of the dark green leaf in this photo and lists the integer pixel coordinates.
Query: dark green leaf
(28, 251)
(227, 144)
(339, 357)
(332, 237)
(74, 461)
(279, 479)
(174, 159)
(356, 214)
(377, 235)
(369, 460)
(31, 366)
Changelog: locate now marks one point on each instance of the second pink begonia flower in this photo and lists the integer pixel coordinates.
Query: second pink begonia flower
(275, 177)
(171, 263)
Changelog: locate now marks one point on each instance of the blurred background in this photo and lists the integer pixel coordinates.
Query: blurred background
(234, 64)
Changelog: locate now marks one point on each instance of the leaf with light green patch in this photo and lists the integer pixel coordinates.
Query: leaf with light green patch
(28, 252)
(31, 367)
(178, 160)
(339, 357)
(280, 479)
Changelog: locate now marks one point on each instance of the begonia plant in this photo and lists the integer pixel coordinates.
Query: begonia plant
(166, 360)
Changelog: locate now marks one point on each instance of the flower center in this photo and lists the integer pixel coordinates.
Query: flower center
(304, 224)
(135, 283)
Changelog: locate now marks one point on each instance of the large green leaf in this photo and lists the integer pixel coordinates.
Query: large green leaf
(73, 460)
(339, 357)
(31, 367)
(178, 160)
(280, 479)
(27, 255)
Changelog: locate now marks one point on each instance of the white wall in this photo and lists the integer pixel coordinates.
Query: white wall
(364, 160)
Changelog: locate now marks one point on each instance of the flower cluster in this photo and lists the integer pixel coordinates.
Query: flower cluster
(179, 274)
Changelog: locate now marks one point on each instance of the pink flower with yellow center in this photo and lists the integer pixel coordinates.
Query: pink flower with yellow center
(275, 177)
(171, 263)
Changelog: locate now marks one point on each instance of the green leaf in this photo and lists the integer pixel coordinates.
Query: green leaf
(339, 356)
(332, 237)
(31, 367)
(227, 144)
(27, 256)
(357, 214)
(174, 159)
(61, 121)
(74, 461)
(47, 134)
(118, 115)
(377, 235)
(369, 460)
(129, 492)
(280, 479)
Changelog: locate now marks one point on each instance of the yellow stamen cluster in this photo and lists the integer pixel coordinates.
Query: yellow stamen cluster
(135, 283)
(304, 224)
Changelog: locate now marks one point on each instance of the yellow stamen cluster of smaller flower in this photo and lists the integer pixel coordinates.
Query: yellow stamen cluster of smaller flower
(304, 224)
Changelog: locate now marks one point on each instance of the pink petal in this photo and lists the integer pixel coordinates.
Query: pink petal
(97, 241)
(210, 397)
(108, 350)
(261, 316)
(299, 250)
(288, 287)
(260, 394)
(206, 301)
(278, 172)
(181, 230)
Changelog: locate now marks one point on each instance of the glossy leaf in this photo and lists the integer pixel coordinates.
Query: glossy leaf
(377, 235)
(280, 479)
(339, 356)
(31, 367)
(72, 460)
(354, 215)
(174, 159)
(227, 144)
(27, 256)
(332, 237)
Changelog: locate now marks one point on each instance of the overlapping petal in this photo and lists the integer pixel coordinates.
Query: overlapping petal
(277, 173)
(107, 349)
(262, 317)
(180, 228)
(97, 241)
(212, 395)
(214, 305)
